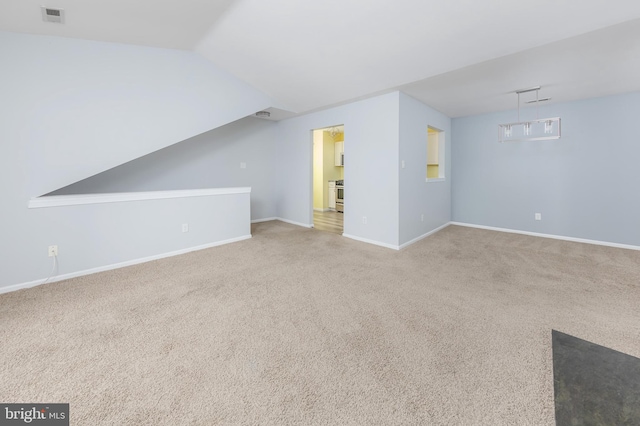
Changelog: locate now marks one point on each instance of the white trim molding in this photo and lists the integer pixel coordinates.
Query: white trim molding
(368, 241)
(433, 231)
(266, 219)
(119, 197)
(120, 265)
(396, 247)
(304, 225)
(554, 237)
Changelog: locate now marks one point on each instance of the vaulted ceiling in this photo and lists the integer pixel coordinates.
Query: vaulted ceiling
(461, 57)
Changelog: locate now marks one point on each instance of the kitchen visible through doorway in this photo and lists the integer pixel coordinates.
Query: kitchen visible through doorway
(328, 179)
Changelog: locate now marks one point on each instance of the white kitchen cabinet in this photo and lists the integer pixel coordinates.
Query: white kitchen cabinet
(339, 150)
(332, 195)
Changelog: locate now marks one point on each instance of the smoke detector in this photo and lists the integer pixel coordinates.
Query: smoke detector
(51, 14)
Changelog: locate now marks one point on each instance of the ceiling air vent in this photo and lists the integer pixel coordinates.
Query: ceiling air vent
(52, 15)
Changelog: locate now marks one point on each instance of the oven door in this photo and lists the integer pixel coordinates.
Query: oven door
(340, 198)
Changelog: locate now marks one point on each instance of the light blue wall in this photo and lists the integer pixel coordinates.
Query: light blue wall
(209, 160)
(100, 235)
(72, 108)
(370, 172)
(80, 107)
(418, 197)
(585, 185)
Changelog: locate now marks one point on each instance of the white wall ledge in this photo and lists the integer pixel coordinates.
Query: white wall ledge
(119, 197)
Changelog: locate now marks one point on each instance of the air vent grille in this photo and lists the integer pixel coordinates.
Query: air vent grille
(53, 15)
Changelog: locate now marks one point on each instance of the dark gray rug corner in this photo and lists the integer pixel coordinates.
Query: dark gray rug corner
(594, 385)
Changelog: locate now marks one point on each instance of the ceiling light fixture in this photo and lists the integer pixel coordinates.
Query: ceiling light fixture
(508, 131)
(263, 114)
(539, 129)
(548, 127)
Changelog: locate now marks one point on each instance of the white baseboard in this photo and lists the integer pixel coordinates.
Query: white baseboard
(396, 247)
(304, 225)
(320, 210)
(266, 219)
(119, 265)
(554, 237)
(433, 231)
(377, 243)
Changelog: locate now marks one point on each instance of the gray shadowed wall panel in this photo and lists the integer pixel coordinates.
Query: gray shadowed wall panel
(209, 160)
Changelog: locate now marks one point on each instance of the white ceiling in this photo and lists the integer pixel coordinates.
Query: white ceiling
(175, 24)
(598, 63)
(461, 57)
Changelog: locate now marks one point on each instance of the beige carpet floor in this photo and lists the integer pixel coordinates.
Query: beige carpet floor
(297, 326)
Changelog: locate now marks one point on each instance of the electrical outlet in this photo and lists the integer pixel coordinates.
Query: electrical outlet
(243, 165)
(185, 227)
(364, 220)
(403, 164)
(53, 251)
(422, 217)
(538, 216)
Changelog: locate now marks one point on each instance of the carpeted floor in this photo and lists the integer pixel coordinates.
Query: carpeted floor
(297, 326)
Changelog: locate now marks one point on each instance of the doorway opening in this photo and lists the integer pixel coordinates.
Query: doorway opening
(435, 155)
(328, 179)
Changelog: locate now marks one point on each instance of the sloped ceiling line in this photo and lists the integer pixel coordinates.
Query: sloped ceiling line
(312, 55)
